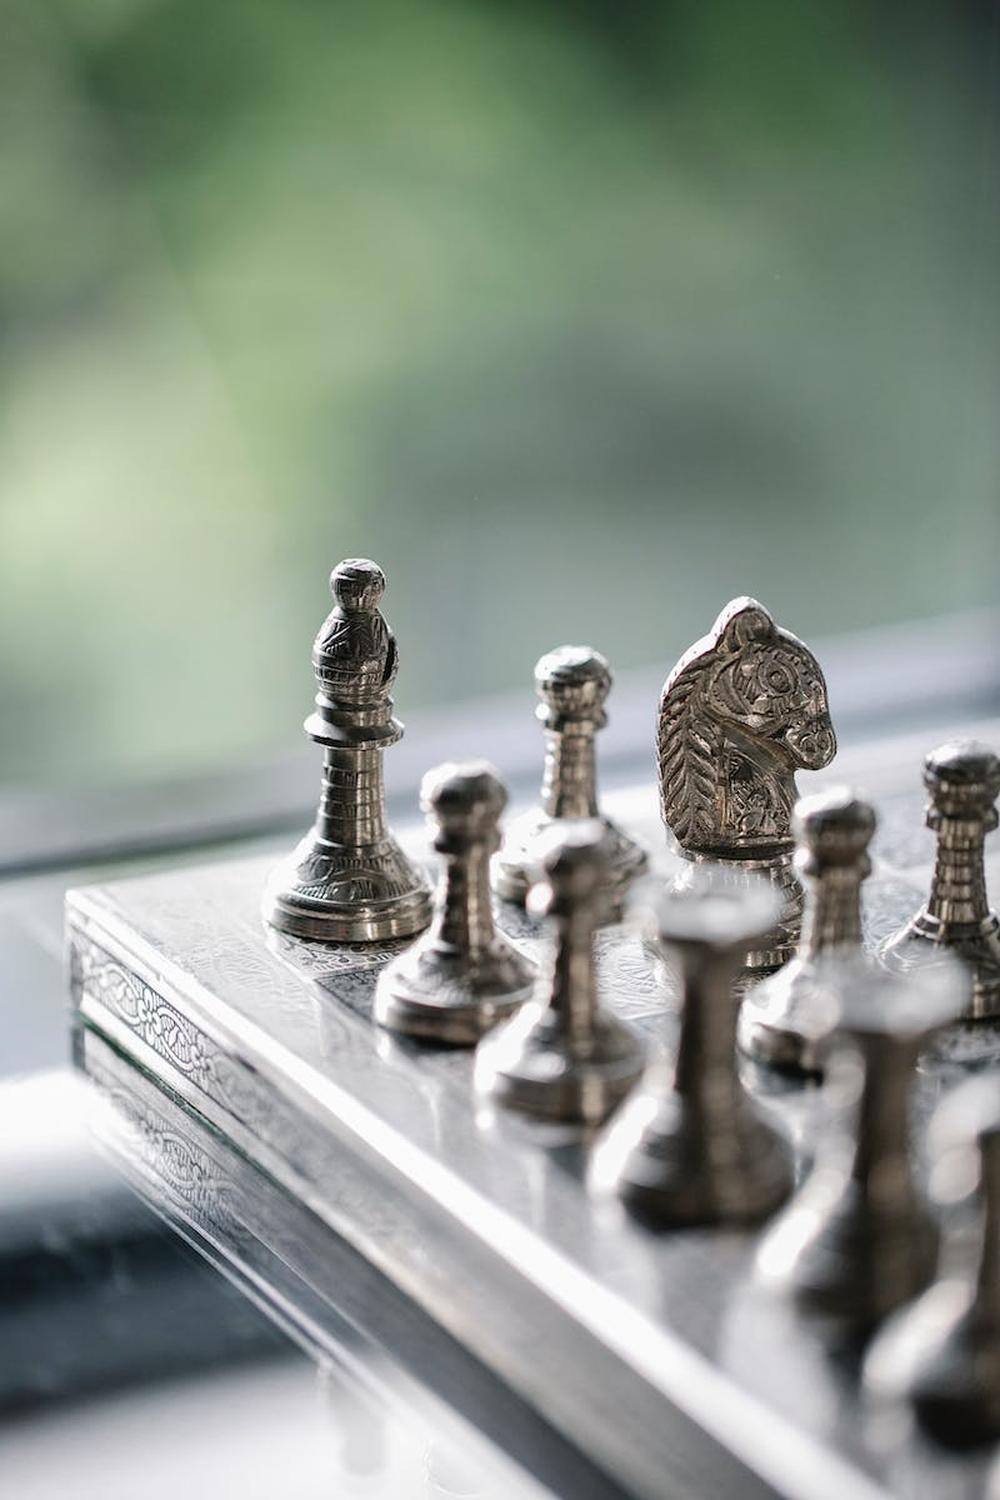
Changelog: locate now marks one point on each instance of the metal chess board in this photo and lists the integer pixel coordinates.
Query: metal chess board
(266, 1109)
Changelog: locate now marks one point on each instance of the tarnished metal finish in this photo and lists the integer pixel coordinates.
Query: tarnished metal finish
(690, 1146)
(572, 683)
(741, 711)
(462, 976)
(787, 1019)
(563, 1057)
(963, 781)
(858, 1239)
(943, 1354)
(348, 880)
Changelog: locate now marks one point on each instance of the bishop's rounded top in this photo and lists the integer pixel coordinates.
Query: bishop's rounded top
(573, 680)
(357, 583)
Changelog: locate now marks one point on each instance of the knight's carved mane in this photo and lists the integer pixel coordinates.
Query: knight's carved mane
(687, 743)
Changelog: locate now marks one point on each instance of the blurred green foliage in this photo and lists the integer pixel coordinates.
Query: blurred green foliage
(579, 318)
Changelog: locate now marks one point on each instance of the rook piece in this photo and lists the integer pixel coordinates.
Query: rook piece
(561, 1056)
(858, 1240)
(573, 684)
(963, 780)
(741, 711)
(943, 1354)
(462, 976)
(786, 1020)
(348, 880)
(690, 1146)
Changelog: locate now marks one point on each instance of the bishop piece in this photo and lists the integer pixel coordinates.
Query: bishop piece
(963, 780)
(690, 1146)
(741, 711)
(461, 976)
(562, 1057)
(942, 1355)
(858, 1239)
(348, 880)
(572, 683)
(787, 1019)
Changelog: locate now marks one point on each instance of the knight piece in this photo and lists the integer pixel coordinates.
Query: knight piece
(858, 1240)
(787, 1019)
(461, 976)
(348, 880)
(741, 711)
(572, 683)
(963, 780)
(942, 1355)
(562, 1057)
(690, 1145)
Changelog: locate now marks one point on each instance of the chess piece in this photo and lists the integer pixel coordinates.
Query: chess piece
(942, 1355)
(690, 1146)
(787, 1019)
(858, 1240)
(562, 1057)
(741, 711)
(348, 880)
(963, 780)
(572, 683)
(461, 976)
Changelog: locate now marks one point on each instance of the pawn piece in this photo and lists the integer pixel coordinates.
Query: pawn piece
(562, 1057)
(963, 780)
(787, 1019)
(690, 1146)
(741, 711)
(462, 976)
(348, 880)
(858, 1240)
(573, 683)
(942, 1355)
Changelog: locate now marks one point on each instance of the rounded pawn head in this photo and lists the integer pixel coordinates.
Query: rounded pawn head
(357, 583)
(716, 909)
(572, 866)
(834, 826)
(573, 680)
(464, 799)
(964, 770)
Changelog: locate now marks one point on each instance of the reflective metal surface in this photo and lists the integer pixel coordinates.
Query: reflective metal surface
(572, 683)
(565, 1057)
(942, 1355)
(741, 712)
(690, 1146)
(462, 976)
(963, 780)
(348, 880)
(787, 1020)
(483, 1219)
(859, 1239)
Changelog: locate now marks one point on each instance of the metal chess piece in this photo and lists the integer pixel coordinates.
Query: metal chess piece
(573, 683)
(348, 880)
(461, 976)
(690, 1145)
(858, 1240)
(562, 1057)
(942, 1355)
(741, 711)
(787, 1019)
(963, 780)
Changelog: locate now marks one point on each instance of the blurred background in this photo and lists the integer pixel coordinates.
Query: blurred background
(578, 318)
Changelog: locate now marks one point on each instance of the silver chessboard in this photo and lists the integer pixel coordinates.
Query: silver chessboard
(264, 1109)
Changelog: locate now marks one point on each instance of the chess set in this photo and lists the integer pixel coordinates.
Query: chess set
(681, 1148)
